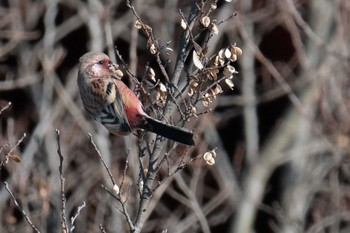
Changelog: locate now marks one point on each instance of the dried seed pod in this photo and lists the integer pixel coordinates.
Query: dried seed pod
(116, 189)
(205, 103)
(216, 60)
(15, 158)
(207, 99)
(190, 91)
(198, 49)
(162, 88)
(211, 161)
(153, 49)
(194, 78)
(205, 21)
(229, 70)
(212, 93)
(209, 157)
(229, 83)
(215, 28)
(233, 57)
(221, 53)
(147, 28)
(169, 49)
(194, 110)
(119, 73)
(220, 58)
(196, 60)
(151, 74)
(162, 91)
(236, 50)
(138, 24)
(214, 74)
(183, 24)
(222, 62)
(217, 90)
(227, 53)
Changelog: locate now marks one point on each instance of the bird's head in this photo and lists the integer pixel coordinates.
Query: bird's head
(96, 65)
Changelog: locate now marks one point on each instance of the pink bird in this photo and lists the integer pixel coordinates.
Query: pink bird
(110, 102)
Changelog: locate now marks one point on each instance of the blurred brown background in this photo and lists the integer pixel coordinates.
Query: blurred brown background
(282, 134)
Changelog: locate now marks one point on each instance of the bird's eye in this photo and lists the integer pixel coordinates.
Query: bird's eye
(100, 62)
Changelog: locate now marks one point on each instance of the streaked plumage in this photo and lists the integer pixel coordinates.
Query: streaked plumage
(109, 101)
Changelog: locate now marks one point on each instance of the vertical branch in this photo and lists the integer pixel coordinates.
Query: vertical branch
(108, 29)
(133, 44)
(95, 26)
(48, 58)
(63, 196)
(116, 188)
(184, 48)
(248, 88)
(146, 191)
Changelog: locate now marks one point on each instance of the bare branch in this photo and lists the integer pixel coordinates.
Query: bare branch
(19, 207)
(101, 159)
(62, 179)
(73, 218)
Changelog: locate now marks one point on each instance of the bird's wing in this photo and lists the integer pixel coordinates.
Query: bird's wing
(112, 114)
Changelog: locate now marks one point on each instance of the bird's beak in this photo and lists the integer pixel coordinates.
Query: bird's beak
(116, 73)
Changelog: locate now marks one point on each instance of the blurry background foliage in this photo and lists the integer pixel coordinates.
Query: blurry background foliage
(282, 134)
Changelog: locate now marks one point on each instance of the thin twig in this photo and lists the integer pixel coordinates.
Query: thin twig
(124, 174)
(4, 146)
(102, 229)
(17, 144)
(73, 218)
(148, 30)
(102, 160)
(177, 105)
(182, 165)
(19, 207)
(184, 48)
(63, 196)
(126, 67)
(124, 211)
(110, 193)
(9, 154)
(5, 107)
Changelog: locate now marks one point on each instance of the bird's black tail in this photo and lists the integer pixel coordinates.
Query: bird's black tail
(172, 132)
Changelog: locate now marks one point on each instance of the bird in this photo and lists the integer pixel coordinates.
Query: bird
(110, 102)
